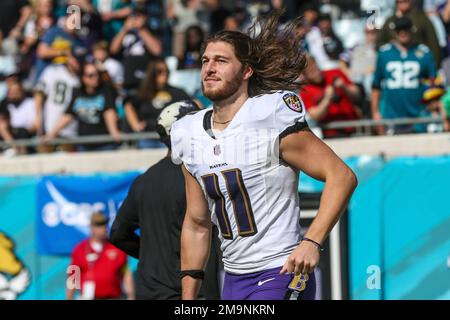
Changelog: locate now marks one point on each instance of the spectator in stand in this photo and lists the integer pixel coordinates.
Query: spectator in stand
(90, 30)
(8, 67)
(330, 96)
(436, 103)
(52, 96)
(445, 106)
(17, 114)
(137, 46)
(183, 14)
(93, 106)
(360, 65)
(57, 44)
(103, 267)
(401, 69)
(192, 52)
(231, 23)
(154, 94)
(217, 15)
(113, 14)
(14, 14)
(422, 27)
(40, 21)
(319, 39)
(113, 67)
(331, 43)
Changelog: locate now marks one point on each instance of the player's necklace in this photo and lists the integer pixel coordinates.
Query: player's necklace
(220, 122)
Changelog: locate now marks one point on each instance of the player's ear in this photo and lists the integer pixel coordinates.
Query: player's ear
(248, 72)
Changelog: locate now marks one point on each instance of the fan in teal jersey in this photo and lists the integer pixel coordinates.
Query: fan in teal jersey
(401, 70)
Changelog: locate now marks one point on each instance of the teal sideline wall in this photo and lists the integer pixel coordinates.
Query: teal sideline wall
(399, 221)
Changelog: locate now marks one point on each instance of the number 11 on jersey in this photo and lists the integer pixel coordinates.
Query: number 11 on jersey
(239, 198)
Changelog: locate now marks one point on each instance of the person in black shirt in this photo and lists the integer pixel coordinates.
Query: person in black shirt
(154, 94)
(156, 204)
(192, 49)
(135, 45)
(93, 106)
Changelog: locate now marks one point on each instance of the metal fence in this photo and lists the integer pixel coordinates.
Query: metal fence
(363, 127)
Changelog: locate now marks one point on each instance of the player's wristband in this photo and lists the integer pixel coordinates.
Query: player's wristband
(315, 242)
(196, 274)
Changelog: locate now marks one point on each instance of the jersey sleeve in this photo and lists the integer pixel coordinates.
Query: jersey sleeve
(289, 114)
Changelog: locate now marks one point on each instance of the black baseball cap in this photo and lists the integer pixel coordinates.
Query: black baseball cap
(401, 23)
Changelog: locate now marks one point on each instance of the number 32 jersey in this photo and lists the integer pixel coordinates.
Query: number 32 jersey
(251, 193)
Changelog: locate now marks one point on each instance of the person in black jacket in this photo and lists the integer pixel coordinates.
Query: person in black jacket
(156, 205)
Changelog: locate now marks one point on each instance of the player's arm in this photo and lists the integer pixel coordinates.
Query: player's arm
(195, 236)
(304, 151)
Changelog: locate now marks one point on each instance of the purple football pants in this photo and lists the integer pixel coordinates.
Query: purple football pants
(269, 285)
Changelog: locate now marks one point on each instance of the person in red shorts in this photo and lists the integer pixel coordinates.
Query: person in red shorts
(330, 96)
(102, 267)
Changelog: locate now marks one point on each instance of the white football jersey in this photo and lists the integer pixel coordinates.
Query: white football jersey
(57, 83)
(251, 193)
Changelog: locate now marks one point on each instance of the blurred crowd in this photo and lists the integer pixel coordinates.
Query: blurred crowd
(71, 68)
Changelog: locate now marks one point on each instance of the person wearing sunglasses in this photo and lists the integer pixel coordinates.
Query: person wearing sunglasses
(93, 106)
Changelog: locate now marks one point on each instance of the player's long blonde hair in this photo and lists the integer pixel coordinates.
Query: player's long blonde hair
(272, 52)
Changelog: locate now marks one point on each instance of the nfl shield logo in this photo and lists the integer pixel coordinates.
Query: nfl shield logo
(217, 150)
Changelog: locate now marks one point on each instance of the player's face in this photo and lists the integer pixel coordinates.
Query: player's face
(222, 72)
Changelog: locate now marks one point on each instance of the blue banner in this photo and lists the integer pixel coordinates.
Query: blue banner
(65, 204)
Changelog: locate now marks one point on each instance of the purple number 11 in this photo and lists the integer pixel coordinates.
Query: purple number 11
(238, 195)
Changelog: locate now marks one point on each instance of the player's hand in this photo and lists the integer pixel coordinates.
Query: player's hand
(303, 260)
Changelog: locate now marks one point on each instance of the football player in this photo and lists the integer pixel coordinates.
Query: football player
(241, 162)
